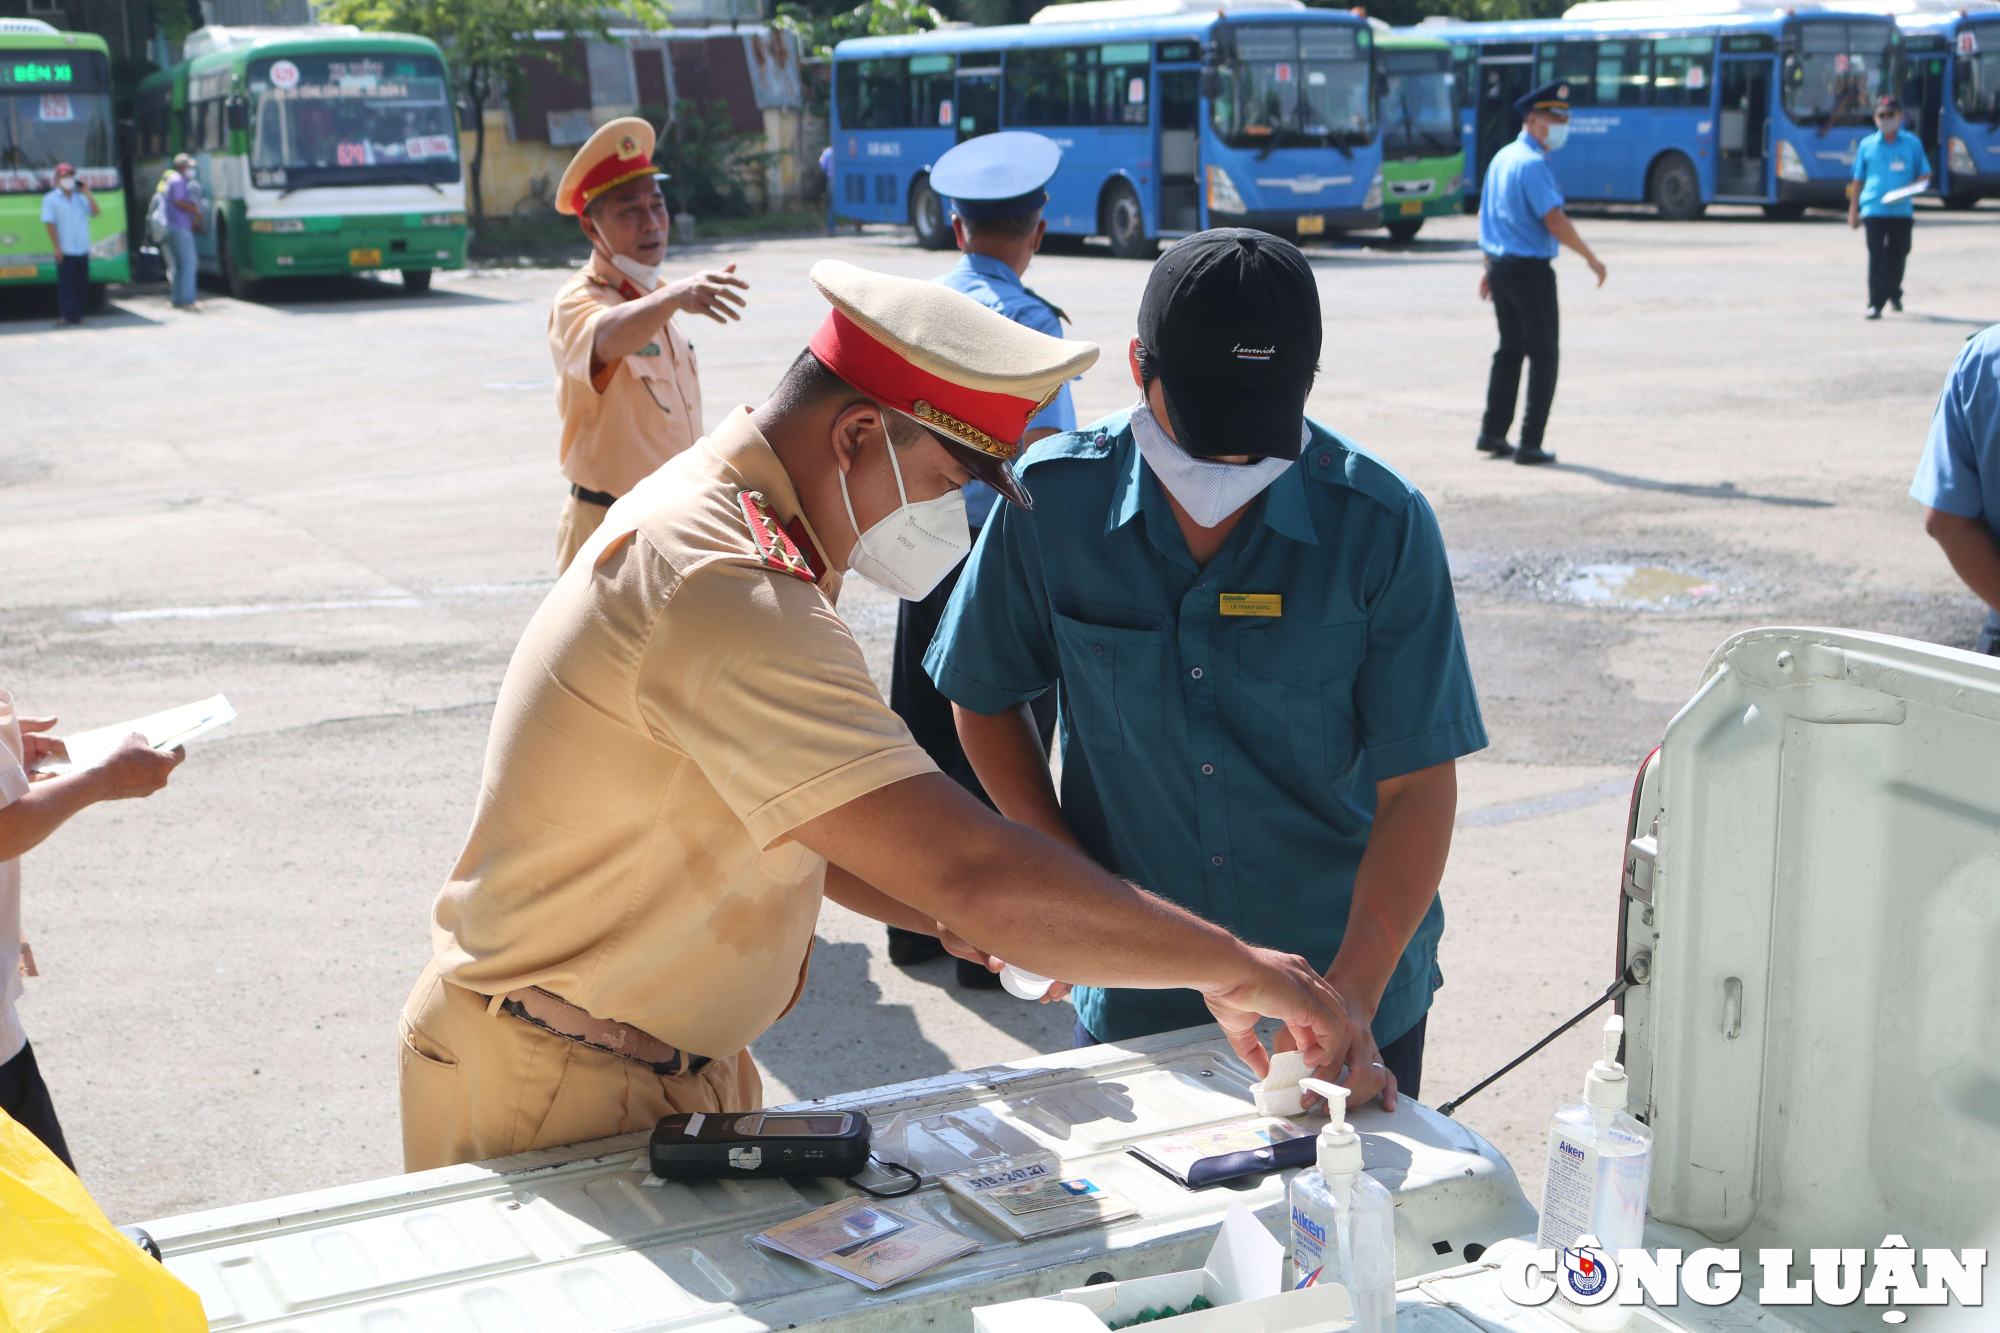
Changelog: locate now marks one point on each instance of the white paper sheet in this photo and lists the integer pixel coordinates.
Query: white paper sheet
(163, 731)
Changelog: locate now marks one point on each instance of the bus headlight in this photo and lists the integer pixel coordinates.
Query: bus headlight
(110, 247)
(1373, 199)
(1961, 158)
(1222, 195)
(278, 224)
(444, 219)
(1791, 167)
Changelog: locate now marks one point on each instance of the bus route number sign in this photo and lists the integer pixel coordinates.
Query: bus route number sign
(284, 74)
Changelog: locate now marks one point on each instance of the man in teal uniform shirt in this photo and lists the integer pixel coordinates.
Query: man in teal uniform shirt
(1250, 625)
(1887, 163)
(996, 186)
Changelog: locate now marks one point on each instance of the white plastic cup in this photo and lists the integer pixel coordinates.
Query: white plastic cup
(1023, 985)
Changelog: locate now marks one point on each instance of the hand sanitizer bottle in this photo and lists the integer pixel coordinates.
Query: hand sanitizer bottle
(1344, 1222)
(1600, 1165)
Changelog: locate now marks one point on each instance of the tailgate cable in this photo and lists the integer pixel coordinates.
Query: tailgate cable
(1617, 988)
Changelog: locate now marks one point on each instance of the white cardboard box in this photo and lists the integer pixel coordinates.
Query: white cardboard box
(1243, 1279)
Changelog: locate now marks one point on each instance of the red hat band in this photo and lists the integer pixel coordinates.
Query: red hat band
(992, 423)
(606, 174)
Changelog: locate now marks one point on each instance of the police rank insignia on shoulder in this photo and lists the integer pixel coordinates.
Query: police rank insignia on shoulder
(776, 549)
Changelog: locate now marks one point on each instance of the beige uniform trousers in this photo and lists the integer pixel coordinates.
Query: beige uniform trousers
(478, 1085)
(580, 518)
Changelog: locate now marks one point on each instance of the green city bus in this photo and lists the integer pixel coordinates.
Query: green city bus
(55, 106)
(1423, 159)
(321, 151)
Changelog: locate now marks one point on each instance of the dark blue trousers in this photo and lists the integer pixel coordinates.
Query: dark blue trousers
(72, 286)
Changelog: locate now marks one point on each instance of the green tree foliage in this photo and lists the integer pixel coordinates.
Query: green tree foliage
(1402, 13)
(707, 160)
(484, 43)
(822, 23)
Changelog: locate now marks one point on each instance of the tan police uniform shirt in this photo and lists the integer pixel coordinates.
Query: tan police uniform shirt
(675, 708)
(648, 412)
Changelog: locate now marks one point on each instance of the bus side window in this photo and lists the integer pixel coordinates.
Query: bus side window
(930, 85)
(873, 94)
(1681, 70)
(1623, 73)
(1575, 62)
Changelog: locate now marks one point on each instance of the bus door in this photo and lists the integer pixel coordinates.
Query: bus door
(1923, 95)
(1742, 128)
(978, 99)
(1179, 159)
(1506, 75)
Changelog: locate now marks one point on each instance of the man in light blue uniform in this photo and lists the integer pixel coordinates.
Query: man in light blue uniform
(1887, 162)
(996, 186)
(1250, 624)
(66, 212)
(1521, 229)
(1958, 481)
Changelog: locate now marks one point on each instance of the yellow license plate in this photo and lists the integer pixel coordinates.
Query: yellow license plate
(1412, 206)
(364, 259)
(19, 271)
(1311, 224)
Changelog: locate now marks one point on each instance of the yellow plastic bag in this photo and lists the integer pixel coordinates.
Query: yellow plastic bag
(63, 1265)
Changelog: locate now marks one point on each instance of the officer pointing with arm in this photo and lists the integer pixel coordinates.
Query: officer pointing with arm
(996, 186)
(626, 381)
(687, 749)
(1521, 227)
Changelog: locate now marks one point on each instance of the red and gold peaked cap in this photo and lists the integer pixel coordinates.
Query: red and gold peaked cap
(620, 150)
(969, 373)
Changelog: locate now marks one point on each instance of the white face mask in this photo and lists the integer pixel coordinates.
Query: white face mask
(1210, 492)
(909, 552)
(67, 184)
(647, 276)
(1558, 134)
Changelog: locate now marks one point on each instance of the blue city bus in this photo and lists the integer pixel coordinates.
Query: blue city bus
(1169, 125)
(1951, 98)
(1762, 108)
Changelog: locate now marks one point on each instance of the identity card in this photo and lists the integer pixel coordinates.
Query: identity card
(1033, 1196)
(875, 1246)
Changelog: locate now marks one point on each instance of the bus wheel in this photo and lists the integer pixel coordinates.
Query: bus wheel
(240, 287)
(1784, 212)
(1959, 203)
(1402, 231)
(1676, 190)
(416, 281)
(927, 216)
(1125, 224)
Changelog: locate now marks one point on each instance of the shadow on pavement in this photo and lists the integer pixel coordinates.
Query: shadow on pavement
(33, 310)
(841, 1036)
(1725, 490)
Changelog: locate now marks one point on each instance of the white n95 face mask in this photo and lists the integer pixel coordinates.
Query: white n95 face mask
(647, 276)
(909, 552)
(1210, 492)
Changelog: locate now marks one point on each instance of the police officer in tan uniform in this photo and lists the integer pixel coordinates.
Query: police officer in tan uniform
(626, 381)
(688, 752)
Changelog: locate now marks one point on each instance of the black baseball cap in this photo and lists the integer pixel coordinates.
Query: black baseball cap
(1230, 324)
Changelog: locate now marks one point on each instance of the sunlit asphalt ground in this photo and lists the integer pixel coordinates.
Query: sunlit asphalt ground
(337, 505)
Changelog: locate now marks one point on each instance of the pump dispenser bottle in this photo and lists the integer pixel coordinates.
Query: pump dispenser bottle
(1344, 1222)
(1600, 1165)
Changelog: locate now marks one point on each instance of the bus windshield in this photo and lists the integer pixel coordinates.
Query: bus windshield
(1976, 88)
(52, 109)
(1418, 117)
(1835, 71)
(359, 119)
(1294, 86)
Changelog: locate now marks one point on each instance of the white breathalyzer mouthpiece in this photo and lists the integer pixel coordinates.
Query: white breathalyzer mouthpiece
(1605, 1085)
(1023, 985)
(1278, 1092)
(1339, 1145)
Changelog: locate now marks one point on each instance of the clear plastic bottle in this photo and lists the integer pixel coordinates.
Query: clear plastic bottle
(1600, 1167)
(1344, 1222)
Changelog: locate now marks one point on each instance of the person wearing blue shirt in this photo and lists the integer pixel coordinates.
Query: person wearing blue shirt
(996, 186)
(1887, 164)
(1522, 227)
(66, 212)
(1958, 481)
(1249, 623)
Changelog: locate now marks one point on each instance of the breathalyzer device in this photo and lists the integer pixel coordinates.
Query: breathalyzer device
(703, 1146)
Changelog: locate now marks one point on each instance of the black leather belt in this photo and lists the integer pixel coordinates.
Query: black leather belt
(591, 497)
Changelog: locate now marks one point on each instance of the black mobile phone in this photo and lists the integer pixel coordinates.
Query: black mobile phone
(702, 1146)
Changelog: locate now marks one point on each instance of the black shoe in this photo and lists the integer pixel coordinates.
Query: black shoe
(1494, 444)
(907, 947)
(1533, 453)
(1896, 304)
(973, 976)
(1874, 312)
